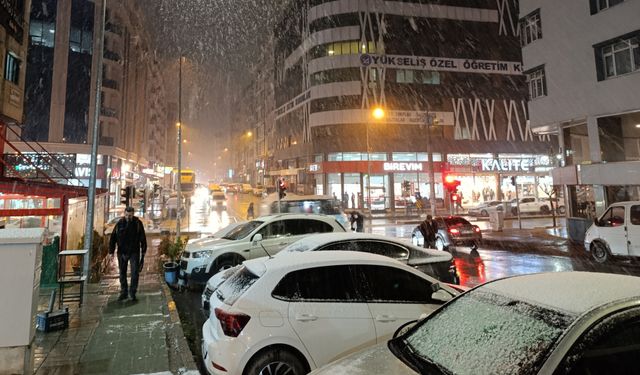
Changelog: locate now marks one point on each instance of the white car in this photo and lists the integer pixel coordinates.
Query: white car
(218, 200)
(437, 264)
(256, 238)
(615, 233)
(548, 323)
(219, 234)
(292, 314)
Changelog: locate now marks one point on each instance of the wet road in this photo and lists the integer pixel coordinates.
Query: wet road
(474, 267)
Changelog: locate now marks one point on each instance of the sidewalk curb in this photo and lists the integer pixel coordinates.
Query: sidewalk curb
(180, 356)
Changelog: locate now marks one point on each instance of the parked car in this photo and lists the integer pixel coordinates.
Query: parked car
(531, 205)
(452, 231)
(218, 200)
(259, 191)
(246, 189)
(549, 323)
(434, 263)
(256, 238)
(316, 204)
(484, 208)
(615, 233)
(219, 234)
(291, 314)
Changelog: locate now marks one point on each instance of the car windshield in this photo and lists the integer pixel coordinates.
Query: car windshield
(486, 333)
(242, 230)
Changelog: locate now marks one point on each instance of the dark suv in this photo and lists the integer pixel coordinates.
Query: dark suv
(452, 231)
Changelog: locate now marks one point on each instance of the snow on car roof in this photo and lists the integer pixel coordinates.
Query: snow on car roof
(315, 240)
(317, 258)
(573, 292)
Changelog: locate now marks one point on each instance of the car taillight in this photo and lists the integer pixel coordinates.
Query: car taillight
(476, 229)
(454, 231)
(232, 324)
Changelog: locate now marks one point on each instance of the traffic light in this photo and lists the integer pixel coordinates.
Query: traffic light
(282, 189)
(513, 180)
(451, 184)
(455, 197)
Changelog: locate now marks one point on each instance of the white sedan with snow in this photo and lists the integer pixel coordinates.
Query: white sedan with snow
(291, 314)
(561, 323)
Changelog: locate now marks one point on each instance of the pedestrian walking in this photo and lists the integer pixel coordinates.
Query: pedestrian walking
(429, 229)
(353, 200)
(131, 240)
(250, 213)
(345, 200)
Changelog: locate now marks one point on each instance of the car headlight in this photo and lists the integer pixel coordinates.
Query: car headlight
(202, 254)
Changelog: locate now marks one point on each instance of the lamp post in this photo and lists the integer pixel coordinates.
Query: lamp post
(432, 179)
(378, 114)
(179, 140)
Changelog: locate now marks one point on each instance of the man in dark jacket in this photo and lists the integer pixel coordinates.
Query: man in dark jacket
(429, 229)
(129, 235)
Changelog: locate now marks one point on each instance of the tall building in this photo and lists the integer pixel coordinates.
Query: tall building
(448, 76)
(60, 92)
(14, 21)
(583, 79)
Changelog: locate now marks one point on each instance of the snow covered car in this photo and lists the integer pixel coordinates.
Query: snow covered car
(434, 263)
(452, 231)
(291, 314)
(548, 323)
(256, 238)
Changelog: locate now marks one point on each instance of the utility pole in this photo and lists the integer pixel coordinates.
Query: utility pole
(179, 196)
(432, 174)
(91, 199)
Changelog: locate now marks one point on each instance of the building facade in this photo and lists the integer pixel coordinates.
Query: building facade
(583, 77)
(60, 94)
(448, 75)
(14, 24)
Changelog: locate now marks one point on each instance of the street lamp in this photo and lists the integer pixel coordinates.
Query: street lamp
(378, 114)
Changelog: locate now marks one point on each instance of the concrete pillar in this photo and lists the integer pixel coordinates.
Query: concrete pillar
(60, 68)
(594, 139)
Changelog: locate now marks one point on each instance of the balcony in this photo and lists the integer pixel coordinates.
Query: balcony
(106, 141)
(111, 56)
(113, 28)
(110, 84)
(108, 112)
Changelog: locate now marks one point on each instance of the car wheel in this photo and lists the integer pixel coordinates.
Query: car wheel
(224, 263)
(440, 245)
(484, 213)
(562, 210)
(600, 252)
(545, 210)
(275, 362)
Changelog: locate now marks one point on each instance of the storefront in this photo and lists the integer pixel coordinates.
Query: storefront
(398, 178)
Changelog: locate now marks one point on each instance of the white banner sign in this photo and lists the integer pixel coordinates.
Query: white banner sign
(444, 64)
(402, 167)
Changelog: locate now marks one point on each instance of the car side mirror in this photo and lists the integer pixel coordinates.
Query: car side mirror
(257, 238)
(596, 222)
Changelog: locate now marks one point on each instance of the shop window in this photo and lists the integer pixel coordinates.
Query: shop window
(620, 138)
(622, 193)
(582, 201)
(576, 145)
(634, 215)
(378, 156)
(404, 156)
(353, 156)
(335, 156)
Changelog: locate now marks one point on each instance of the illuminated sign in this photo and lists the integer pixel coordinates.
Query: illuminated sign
(402, 167)
(314, 167)
(446, 64)
(506, 165)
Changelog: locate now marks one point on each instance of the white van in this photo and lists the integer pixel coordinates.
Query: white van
(616, 232)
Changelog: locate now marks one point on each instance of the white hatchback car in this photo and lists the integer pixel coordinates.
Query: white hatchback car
(253, 239)
(291, 314)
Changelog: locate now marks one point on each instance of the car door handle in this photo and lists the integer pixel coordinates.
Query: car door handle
(306, 317)
(386, 318)
(282, 243)
(246, 250)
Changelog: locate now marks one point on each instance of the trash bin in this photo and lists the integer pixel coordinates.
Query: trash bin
(496, 220)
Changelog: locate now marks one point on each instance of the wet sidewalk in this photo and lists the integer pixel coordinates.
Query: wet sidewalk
(107, 336)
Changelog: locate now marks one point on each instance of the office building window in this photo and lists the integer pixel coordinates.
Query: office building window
(416, 76)
(600, 5)
(619, 57)
(537, 82)
(12, 68)
(530, 28)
